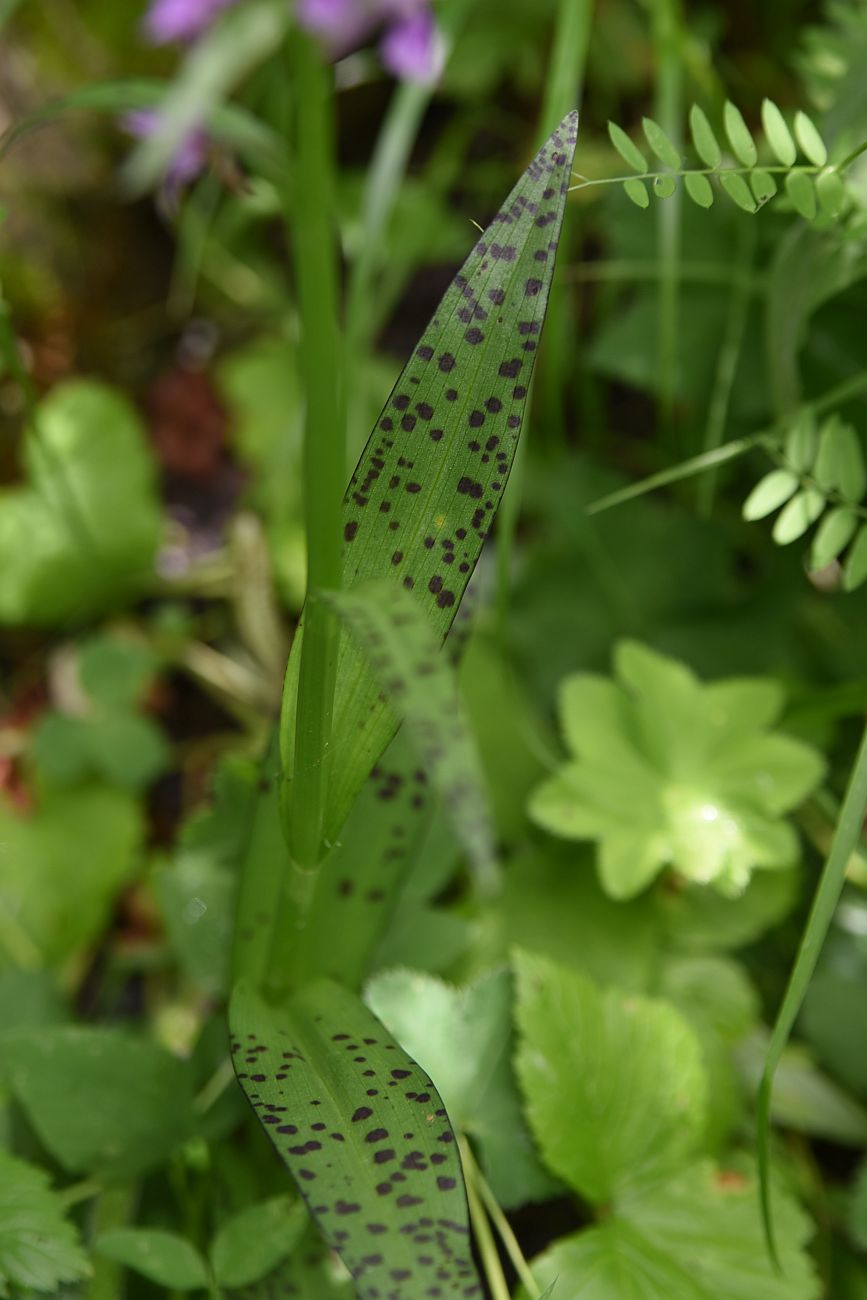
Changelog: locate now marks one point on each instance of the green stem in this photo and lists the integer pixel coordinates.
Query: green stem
(487, 1247)
(667, 24)
(311, 211)
(846, 837)
(499, 1220)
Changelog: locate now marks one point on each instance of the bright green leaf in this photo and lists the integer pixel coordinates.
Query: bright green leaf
(833, 535)
(737, 190)
(855, 569)
(779, 135)
(797, 516)
(664, 187)
(254, 1241)
(832, 193)
(39, 1248)
(770, 493)
(802, 443)
(162, 1257)
(600, 1127)
(699, 189)
(742, 143)
(840, 461)
(810, 140)
(637, 191)
(706, 144)
(763, 186)
(628, 150)
(802, 192)
(661, 144)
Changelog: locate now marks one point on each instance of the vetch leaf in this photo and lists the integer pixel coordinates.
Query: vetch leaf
(742, 143)
(628, 150)
(833, 535)
(737, 190)
(661, 144)
(831, 193)
(802, 192)
(424, 494)
(101, 1100)
(779, 135)
(840, 461)
(855, 570)
(797, 516)
(706, 144)
(600, 1127)
(770, 493)
(664, 186)
(637, 191)
(39, 1248)
(763, 185)
(810, 140)
(364, 1134)
(253, 1242)
(802, 443)
(699, 189)
(162, 1257)
(390, 624)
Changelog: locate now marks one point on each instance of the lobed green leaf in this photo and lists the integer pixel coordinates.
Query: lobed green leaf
(39, 1248)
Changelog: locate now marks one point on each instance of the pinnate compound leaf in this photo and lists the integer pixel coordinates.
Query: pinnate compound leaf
(100, 1100)
(162, 1257)
(706, 143)
(699, 189)
(737, 190)
(696, 1236)
(627, 148)
(797, 516)
(855, 570)
(742, 143)
(364, 1134)
(779, 135)
(763, 186)
(39, 1248)
(833, 535)
(636, 191)
(463, 1038)
(402, 649)
(810, 140)
(423, 497)
(770, 493)
(802, 192)
(252, 1243)
(600, 1127)
(661, 144)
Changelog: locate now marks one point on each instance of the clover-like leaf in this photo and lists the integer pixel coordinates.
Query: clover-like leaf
(669, 771)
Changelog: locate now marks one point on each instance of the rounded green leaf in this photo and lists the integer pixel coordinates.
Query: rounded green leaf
(840, 463)
(802, 443)
(254, 1242)
(637, 192)
(763, 186)
(738, 191)
(802, 192)
(855, 570)
(795, 518)
(742, 143)
(163, 1257)
(832, 193)
(706, 143)
(779, 135)
(628, 150)
(699, 189)
(661, 144)
(664, 186)
(834, 533)
(769, 494)
(809, 139)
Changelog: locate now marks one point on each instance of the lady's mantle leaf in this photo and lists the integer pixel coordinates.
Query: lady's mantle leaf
(601, 1127)
(39, 1249)
(365, 1136)
(424, 494)
(696, 1236)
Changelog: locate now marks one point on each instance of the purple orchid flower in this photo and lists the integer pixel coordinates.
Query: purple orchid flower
(190, 157)
(411, 47)
(181, 20)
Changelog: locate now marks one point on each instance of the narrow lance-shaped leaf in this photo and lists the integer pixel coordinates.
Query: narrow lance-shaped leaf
(628, 150)
(364, 1134)
(660, 143)
(706, 144)
(423, 497)
(738, 132)
(809, 139)
(779, 135)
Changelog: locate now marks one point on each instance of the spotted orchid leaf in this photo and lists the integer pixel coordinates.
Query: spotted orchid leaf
(425, 492)
(365, 1136)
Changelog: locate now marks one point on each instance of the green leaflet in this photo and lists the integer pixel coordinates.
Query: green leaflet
(163, 1257)
(424, 494)
(39, 1248)
(365, 1136)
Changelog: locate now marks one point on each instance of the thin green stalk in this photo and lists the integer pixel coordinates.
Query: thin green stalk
(114, 1208)
(728, 357)
(667, 38)
(475, 1176)
(847, 835)
(484, 1238)
(311, 209)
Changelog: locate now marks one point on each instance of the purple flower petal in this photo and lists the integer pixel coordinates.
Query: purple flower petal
(413, 49)
(181, 20)
(190, 156)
